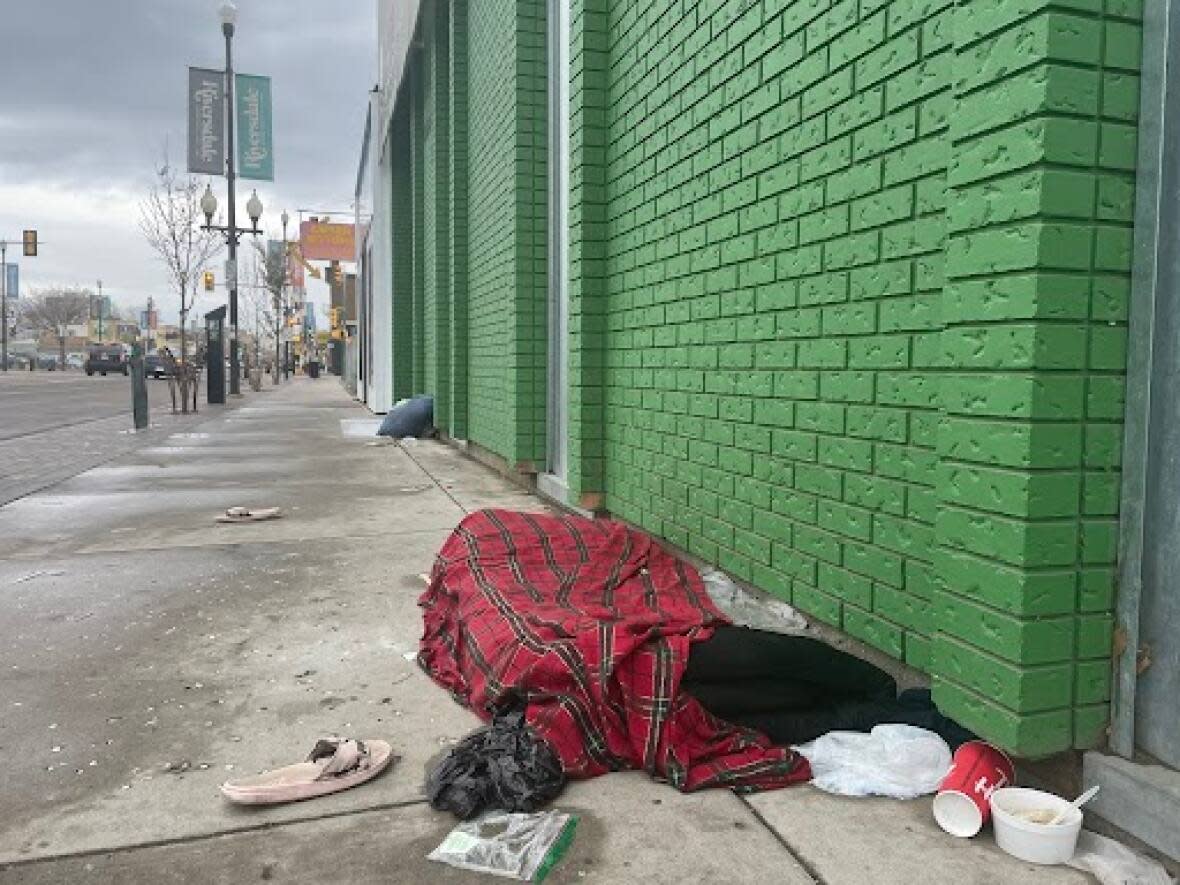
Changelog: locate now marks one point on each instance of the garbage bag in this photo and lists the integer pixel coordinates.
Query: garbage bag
(408, 417)
(503, 765)
(516, 846)
(899, 761)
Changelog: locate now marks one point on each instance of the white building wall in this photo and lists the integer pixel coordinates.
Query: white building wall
(380, 392)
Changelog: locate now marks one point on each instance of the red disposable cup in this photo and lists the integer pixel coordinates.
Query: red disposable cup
(977, 770)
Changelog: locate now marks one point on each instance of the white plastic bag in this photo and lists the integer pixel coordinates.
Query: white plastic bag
(1113, 863)
(516, 846)
(747, 610)
(899, 761)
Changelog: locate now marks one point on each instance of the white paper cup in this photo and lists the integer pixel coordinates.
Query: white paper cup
(957, 814)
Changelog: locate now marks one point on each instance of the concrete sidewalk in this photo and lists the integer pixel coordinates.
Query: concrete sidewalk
(149, 654)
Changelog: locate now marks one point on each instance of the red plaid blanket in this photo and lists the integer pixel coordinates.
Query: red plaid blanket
(591, 623)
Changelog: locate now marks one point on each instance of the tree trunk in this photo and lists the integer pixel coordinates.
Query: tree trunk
(182, 369)
(61, 343)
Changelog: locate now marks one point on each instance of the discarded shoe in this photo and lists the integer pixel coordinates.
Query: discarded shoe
(334, 764)
(245, 514)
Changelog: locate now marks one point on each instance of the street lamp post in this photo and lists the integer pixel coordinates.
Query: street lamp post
(100, 311)
(229, 15)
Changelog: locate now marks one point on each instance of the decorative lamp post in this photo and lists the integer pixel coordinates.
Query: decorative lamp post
(228, 14)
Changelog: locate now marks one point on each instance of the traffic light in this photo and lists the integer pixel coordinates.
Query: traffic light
(208, 281)
(30, 242)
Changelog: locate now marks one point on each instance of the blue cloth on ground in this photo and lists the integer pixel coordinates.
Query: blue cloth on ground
(408, 417)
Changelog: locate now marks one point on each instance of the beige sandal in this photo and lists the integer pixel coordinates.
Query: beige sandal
(245, 514)
(334, 764)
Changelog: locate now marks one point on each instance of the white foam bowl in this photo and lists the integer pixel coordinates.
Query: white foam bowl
(1036, 843)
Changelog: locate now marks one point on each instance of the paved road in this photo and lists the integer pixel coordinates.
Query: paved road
(34, 402)
(54, 425)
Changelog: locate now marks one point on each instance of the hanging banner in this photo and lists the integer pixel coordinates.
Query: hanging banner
(295, 267)
(325, 241)
(206, 121)
(12, 283)
(255, 136)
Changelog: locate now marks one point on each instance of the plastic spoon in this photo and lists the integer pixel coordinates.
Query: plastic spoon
(1076, 803)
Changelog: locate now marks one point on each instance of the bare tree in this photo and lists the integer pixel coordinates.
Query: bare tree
(53, 310)
(170, 218)
(272, 269)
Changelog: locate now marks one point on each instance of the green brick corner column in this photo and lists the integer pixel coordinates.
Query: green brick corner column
(587, 244)
(459, 207)
(1041, 182)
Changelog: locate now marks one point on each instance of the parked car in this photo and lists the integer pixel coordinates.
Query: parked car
(103, 358)
(155, 366)
(47, 362)
(75, 361)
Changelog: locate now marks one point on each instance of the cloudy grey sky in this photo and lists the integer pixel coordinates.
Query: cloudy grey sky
(94, 91)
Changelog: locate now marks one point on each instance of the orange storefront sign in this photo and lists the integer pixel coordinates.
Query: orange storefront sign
(325, 241)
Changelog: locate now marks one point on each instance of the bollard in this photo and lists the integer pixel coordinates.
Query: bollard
(139, 396)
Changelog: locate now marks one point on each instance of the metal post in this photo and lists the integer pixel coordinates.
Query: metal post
(139, 396)
(235, 386)
(4, 304)
(1146, 516)
(100, 311)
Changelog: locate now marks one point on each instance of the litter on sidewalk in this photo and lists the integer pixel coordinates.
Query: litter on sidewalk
(245, 514)
(515, 846)
(1113, 863)
(898, 761)
(334, 764)
(501, 766)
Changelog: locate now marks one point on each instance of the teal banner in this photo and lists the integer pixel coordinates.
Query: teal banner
(256, 157)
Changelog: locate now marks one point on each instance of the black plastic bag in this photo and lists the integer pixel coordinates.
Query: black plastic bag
(408, 417)
(503, 765)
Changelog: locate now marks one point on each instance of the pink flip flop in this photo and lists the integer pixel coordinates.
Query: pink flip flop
(245, 514)
(334, 764)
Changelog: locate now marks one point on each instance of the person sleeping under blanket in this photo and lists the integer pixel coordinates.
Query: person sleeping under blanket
(795, 688)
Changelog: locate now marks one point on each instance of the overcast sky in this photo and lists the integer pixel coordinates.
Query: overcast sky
(95, 91)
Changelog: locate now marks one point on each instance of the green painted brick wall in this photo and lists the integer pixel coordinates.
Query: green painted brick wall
(492, 269)
(848, 290)
(775, 238)
(417, 162)
(436, 218)
(848, 303)
(1035, 306)
(506, 228)
(459, 209)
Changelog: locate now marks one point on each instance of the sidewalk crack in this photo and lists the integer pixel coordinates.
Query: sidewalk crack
(778, 837)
